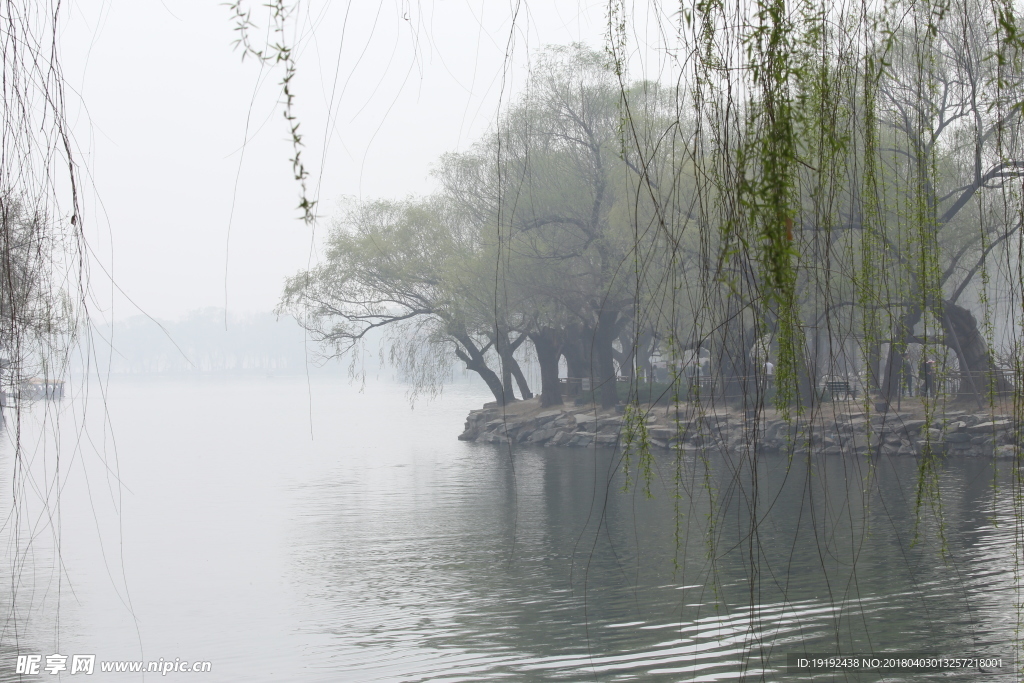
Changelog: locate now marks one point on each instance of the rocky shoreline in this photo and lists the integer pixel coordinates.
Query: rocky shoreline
(834, 429)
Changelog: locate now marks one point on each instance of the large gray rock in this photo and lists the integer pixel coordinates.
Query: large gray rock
(990, 426)
(1007, 452)
(560, 439)
(542, 435)
(892, 433)
(663, 433)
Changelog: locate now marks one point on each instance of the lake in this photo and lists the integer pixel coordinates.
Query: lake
(286, 529)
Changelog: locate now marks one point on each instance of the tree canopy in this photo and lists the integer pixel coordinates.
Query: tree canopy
(857, 202)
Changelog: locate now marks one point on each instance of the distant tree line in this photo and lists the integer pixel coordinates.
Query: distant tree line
(199, 342)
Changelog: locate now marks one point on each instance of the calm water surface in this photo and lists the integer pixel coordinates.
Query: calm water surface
(294, 531)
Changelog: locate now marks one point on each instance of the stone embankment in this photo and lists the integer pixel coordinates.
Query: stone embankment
(835, 429)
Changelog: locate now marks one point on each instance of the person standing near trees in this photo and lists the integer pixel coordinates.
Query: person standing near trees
(927, 375)
(907, 379)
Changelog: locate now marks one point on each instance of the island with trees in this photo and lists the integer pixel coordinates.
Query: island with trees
(648, 246)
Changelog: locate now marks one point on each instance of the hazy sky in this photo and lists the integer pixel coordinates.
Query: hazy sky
(162, 104)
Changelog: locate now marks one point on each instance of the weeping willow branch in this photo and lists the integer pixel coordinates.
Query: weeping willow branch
(276, 51)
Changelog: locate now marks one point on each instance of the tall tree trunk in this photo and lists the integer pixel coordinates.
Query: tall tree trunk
(506, 380)
(509, 365)
(806, 377)
(473, 357)
(604, 336)
(547, 342)
(967, 341)
(626, 358)
(576, 348)
(517, 372)
(736, 336)
(872, 363)
(505, 360)
(892, 378)
(644, 349)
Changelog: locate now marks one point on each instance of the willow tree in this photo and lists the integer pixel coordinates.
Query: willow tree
(948, 109)
(525, 240)
(562, 194)
(416, 271)
(41, 274)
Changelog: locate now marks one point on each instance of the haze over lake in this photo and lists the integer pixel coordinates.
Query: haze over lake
(292, 529)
